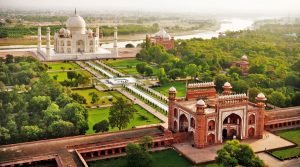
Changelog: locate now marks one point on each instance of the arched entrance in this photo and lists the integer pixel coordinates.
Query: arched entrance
(175, 125)
(211, 139)
(251, 132)
(80, 46)
(232, 127)
(183, 123)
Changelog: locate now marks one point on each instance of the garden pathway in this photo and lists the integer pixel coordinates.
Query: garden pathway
(82, 65)
(273, 162)
(146, 107)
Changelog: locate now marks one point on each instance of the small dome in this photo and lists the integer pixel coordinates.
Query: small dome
(261, 96)
(62, 31)
(89, 32)
(227, 84)
(67, 33)
(245, 58)
(172, 89)
(200, 102)
(162, 34)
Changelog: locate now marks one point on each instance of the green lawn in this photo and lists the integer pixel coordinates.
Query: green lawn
(165, 158)
(59, 65)
(128, 71)
(103, 96)
(61, 76)
(142, 117)
(179, 85)
(292, 135)
(123, 62)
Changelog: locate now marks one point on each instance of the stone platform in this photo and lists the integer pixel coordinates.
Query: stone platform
(208, 154)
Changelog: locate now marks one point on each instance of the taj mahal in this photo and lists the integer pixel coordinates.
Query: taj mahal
(75, 42)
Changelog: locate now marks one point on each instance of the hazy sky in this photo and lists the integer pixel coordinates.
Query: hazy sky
(199, 6)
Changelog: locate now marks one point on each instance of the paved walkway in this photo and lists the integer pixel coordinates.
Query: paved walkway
(270, 141)
(108, 74)
(273, 162)
(146, 107)
(84, 66)
(111, 69)
(149, 97)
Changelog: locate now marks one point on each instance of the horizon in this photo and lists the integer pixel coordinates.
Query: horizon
(207, 7)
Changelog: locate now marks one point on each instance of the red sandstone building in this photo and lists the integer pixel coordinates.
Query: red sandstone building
(242, 64)
(162, 38)
(212, 118)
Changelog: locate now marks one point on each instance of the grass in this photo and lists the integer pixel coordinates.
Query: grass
(103, 96)
(59, 65)
(292, 135)
(123, 63)
(141, 117)
(61, 76)
(165, 158)
(179, 85)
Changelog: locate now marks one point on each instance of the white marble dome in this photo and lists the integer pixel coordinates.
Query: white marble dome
(244, 58)
(261, 96)
(76, 24)
(62, 31)
(162, 34)
(200, 102)
(227, 84)
(172, 89)
(67, 33)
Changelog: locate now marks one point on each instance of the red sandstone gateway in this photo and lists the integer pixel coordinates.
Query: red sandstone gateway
(212, 118)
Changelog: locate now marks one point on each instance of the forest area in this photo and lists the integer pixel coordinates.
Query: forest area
(273, 53)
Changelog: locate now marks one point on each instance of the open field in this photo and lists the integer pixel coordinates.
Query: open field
(292, 135)
(179, 85)
(106, 98)
(142, 117)
(61, 76)
(53, 66)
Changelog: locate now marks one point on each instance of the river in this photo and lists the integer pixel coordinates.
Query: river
(226, 25)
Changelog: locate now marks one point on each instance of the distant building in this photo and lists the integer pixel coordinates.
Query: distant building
(243, 64)
(162, 38)
(75, 42)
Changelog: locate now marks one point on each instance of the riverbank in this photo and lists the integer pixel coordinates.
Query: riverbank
(32, 40)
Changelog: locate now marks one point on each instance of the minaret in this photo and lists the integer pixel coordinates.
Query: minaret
(200, 127)
(116, 53)
(97, 31)
(260, 104)
(171, 104)
(39, 38)
(48, 42)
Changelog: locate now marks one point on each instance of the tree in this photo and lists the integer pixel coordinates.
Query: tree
(120, 113)
(38, 103)
(71, 75)
(140, 68)
(148, 70)
(219, 81)
(77, 114)
(4, 135)
(175, 73)
(277, 98)
(161, 75)
(94, 97)
(191, 70)
(31, 132)
(78, 98)
(102, 126)
(234, 153)
(61, 128)
(137, 156)
(9, 59)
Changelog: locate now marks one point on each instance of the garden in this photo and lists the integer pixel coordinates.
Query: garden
(62, 75)
(57, 66)
(179, 85)
(141, 117)
(291, 135)
(105, 97)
